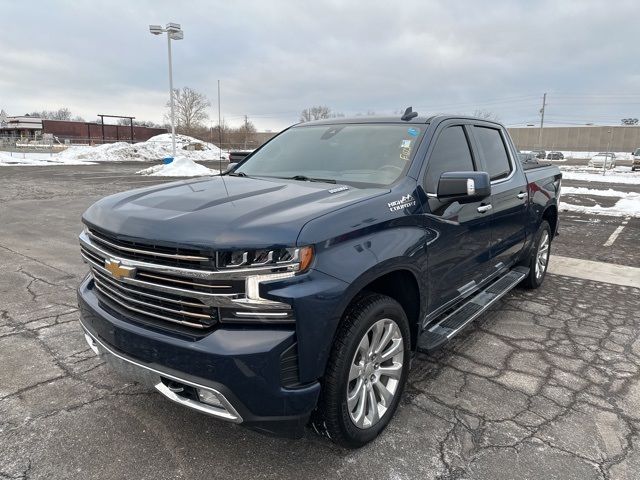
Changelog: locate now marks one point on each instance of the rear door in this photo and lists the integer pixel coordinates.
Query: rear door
(458, 235)
(508, 194)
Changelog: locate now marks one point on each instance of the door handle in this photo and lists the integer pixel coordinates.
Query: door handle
(522, 195)
(484, 208)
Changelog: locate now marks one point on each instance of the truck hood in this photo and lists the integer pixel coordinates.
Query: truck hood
(221, 212)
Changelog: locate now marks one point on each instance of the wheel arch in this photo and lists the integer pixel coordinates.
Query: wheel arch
(400, 282)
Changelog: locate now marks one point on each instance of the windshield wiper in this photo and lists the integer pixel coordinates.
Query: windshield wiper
(304, 178)
(237, 174)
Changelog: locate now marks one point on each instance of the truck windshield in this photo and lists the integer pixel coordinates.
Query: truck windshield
(367, 154)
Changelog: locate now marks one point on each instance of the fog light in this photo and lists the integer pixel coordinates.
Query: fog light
(209, 398)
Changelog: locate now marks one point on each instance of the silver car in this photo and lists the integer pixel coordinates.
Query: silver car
(602, 159)
(635, 162)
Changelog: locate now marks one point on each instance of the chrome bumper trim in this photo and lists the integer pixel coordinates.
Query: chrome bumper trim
(152, 377)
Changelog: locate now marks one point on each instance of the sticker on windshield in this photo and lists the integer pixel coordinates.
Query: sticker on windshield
(405, 150)
(413, 131)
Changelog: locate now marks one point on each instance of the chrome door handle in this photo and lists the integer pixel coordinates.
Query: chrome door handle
(522, 195)
(484, 208)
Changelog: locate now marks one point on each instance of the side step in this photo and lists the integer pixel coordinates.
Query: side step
(449, 325)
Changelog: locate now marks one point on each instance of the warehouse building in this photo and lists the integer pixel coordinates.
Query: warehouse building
(578, 139)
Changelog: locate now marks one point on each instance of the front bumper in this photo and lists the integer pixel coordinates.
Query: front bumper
(238, 368)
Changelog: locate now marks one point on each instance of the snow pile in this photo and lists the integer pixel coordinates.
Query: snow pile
(180, 167)
(627, 206)
(156, 148)
(37, 159)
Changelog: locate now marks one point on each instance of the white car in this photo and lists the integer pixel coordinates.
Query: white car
(599, 160)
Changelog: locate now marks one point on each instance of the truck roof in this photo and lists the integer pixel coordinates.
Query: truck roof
(395, 119)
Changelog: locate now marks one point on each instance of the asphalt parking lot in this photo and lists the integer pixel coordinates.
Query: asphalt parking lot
(544, 386)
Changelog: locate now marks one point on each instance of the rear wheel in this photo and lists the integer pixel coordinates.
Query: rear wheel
(366, 373)
(539, 257)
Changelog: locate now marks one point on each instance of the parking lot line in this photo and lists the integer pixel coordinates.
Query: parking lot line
(596, 271)
(616, 232)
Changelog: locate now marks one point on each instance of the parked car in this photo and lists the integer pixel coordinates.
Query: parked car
(296, 287)
(528, 158)
(600, 159)
(555, 156)
(236, 156)
(635, 165)
(541, 154)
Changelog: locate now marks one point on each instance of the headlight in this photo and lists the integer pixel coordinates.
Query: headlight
(296, 259)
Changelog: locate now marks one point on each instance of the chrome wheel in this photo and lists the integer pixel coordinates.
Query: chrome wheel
(374, 376)
(542, 256)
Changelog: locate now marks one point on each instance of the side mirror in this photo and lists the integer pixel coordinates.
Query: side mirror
(465, 187)
(230, 167)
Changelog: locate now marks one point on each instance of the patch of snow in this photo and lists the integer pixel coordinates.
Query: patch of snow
(617, 175)
(180, 167)
(598, 193)
(37, 160)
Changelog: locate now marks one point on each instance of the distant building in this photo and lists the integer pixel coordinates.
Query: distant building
(27, 128)
(618, 138)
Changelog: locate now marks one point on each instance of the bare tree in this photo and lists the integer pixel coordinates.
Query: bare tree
(486, 115)
(315, 113)
(629, 121)
(190, 109)
(139, 123)
(61, 114)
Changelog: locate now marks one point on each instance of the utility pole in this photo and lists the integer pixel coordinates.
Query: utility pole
(544, 104)
(219, 128)
(246, 131)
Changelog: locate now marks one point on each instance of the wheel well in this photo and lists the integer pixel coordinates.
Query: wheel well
(402, 286)
(551, 216)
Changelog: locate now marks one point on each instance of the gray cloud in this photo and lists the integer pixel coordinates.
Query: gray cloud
(275, 58)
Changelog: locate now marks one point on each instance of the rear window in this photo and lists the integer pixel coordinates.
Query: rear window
(637, 152)
(494, 152)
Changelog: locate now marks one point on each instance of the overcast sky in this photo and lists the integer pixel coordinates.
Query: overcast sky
(275, 58)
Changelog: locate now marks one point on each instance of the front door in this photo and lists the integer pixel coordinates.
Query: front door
(458, 235)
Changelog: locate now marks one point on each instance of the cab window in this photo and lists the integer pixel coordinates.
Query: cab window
(494, 151)
(451, 153)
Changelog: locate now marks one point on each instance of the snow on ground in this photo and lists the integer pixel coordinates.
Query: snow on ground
(154, 149)
(587, 174)
(180, 167)
(627, 206)
(38, 159)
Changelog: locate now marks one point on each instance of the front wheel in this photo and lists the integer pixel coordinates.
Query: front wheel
(539, 260)
(366, 373)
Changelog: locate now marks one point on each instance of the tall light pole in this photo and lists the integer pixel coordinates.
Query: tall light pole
(174, 32)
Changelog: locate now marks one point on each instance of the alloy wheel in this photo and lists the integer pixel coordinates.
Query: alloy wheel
(374, 376)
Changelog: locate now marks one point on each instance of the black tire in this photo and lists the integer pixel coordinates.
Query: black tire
(332, 417)
(534, 280)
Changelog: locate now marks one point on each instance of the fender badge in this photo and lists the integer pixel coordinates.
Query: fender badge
(405, 202)
(341, 188)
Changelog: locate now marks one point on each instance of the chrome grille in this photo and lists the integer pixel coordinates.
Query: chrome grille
(157, 291)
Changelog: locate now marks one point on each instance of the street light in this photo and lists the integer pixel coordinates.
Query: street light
(174, 32)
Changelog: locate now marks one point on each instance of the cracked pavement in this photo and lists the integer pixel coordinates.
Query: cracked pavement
(545, 385)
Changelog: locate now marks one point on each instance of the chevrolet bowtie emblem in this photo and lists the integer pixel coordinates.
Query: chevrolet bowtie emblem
(118, 271)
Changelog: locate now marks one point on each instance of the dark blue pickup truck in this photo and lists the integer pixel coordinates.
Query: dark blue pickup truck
(295, 288)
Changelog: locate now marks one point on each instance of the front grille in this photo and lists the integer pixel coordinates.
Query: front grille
(149, 252)
(154, 285)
